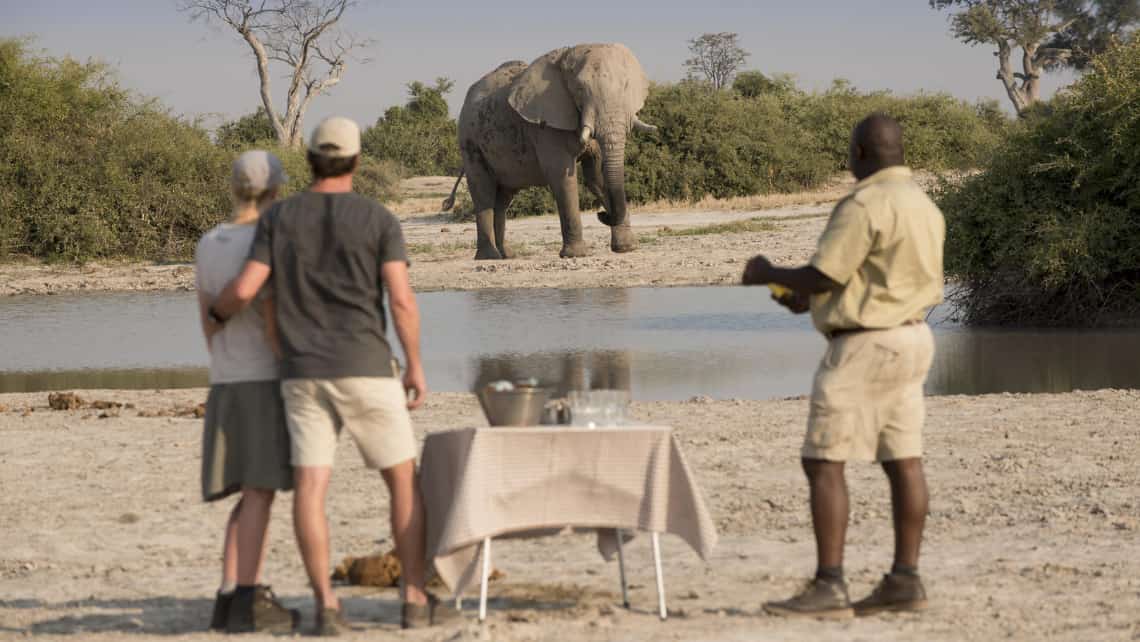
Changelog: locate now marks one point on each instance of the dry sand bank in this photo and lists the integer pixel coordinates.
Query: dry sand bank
(442, 250)
(1032, 533)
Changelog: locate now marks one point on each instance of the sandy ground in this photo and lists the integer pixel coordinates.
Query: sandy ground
(1032, 533)
(442, 250)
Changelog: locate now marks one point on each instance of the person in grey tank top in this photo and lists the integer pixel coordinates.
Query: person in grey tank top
(245, 442)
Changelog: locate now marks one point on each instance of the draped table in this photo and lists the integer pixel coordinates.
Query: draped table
(483, 483)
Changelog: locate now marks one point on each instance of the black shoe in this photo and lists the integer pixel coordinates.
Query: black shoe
(222, 603)
(897, 592)
(259, 611)
(820, 599)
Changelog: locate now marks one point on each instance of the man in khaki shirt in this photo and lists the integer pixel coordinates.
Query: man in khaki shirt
(875, 275)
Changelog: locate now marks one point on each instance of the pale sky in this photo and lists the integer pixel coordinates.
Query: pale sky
(197, 70)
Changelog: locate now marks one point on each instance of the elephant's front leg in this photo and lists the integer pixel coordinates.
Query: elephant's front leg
(563, 181)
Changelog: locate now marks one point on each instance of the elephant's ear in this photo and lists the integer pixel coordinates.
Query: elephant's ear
(540, 96)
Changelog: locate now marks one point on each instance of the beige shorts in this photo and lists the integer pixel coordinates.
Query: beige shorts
(373, 409)
(867, 398)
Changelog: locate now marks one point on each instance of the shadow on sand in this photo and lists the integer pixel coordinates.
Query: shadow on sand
(175, 616)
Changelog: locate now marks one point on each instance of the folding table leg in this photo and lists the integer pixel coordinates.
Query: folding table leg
(621, 571)
(660, 579)
(483, 581)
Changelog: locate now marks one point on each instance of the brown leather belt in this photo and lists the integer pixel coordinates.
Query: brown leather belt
(834, 334)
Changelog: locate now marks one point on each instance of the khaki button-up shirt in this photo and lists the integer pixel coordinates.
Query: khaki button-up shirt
(883, 244)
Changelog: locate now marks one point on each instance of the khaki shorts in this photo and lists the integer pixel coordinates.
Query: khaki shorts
(373, 409)
(867, 398)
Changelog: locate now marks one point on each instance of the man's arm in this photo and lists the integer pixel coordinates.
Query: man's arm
(241, 290)
(406, 317)
(269, 313)
(805, 279)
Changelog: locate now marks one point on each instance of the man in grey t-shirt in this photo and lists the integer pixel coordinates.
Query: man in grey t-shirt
(331, 254)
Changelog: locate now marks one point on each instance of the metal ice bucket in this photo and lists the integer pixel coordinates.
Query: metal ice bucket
(521, 406)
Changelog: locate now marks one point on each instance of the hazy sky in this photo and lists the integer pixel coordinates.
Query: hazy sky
(196, 69)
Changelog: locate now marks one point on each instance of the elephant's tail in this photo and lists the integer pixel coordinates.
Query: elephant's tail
(449, 202)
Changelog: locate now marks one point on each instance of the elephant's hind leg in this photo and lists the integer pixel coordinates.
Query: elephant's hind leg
(483, 188)
(503, 201)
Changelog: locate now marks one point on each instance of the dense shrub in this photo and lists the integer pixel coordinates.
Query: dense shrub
(1049, 233)
(251, 129)
(88, 172)
(719, 144)
(766, 136)
(420, 135)
(941, 131)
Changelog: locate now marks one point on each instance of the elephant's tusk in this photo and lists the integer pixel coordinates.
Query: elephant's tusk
(584, 137)
(640, 126)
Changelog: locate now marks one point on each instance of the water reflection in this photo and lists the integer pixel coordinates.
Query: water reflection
(127, 379)
(562, 372)
(984, 361)
(667, 343)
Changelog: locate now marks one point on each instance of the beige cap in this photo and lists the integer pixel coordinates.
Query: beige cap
(335, 137)
(256, 171)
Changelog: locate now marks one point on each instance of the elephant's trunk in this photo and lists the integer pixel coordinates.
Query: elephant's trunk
(613, 171)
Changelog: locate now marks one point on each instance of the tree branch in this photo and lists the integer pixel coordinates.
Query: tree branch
(293, 33)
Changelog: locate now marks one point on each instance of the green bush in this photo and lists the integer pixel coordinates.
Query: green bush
(532, 201)
(90, 172)
(420, 135)
(251, 129)
(941, 132)
(720, 144)
(1049, 233)
(766, 136)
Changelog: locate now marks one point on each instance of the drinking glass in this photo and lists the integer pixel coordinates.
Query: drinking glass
(593, 408)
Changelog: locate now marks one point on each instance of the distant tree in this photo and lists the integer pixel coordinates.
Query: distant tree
(751, 84)
(248, 130)
(428, 102)
(716, 57)
(1051, 34)
(303, 35)
(1094, 25)
(420, 135)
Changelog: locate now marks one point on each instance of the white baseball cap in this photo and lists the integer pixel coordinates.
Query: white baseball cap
(256, 171)
(335, 137)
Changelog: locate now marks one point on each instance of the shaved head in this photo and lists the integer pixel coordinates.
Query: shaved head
(876, 143)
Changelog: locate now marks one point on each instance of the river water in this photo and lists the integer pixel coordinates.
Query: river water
(662, 343)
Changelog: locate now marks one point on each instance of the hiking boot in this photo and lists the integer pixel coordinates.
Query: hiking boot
(434, 613)
(259, 611)
(330, 623)
(820, 598)
(222, 603)
(897, 592)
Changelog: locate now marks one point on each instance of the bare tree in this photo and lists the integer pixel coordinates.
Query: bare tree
(1051, 34)
(717, 57)
(303, 35)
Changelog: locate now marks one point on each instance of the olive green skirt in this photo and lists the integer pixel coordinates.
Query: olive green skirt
(245, 442)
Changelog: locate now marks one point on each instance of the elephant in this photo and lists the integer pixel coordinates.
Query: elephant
(530, 125)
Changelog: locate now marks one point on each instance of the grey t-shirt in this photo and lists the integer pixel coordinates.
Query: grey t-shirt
(325, 253)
